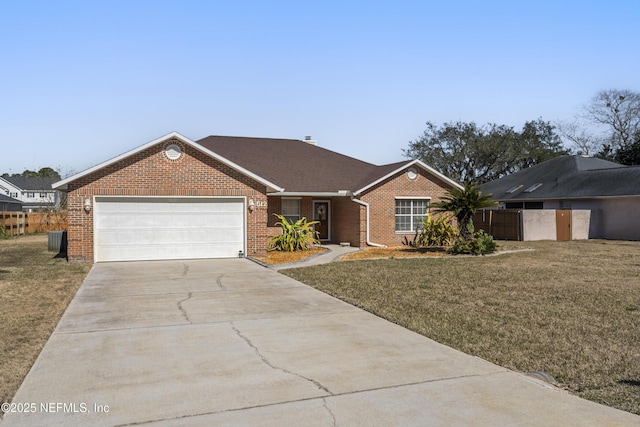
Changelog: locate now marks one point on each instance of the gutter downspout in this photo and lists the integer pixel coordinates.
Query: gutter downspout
(366, 205)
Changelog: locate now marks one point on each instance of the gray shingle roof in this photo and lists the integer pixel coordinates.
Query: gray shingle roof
(31, 183)
(568, 177)
(7, 199)
(298, 166)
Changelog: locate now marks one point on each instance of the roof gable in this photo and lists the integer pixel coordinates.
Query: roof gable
(8, 185)
(62, 185)
(387, 171)
(566, 177)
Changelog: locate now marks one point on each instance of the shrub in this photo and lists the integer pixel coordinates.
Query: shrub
(296, 236)
(463, 203)
(435, 231)
(480, 244)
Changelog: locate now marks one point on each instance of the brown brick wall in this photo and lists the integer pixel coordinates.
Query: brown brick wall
(348, 219)
(348, 222)
(150, 173)
(382, 202)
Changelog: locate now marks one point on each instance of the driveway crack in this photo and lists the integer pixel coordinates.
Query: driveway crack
(333, 417)
(181, 308)
(219, 282)
(272, 366)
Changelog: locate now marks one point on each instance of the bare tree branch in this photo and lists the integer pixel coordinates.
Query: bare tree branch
(620, 111)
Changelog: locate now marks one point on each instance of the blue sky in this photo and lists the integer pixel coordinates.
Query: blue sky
(84, 81)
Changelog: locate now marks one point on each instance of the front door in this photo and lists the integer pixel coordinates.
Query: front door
(322, 214)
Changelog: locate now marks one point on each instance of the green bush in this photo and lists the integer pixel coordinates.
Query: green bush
(296, 236)
(480, 244)
(437, 231)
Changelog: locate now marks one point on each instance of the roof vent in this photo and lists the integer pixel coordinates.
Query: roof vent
(514, 189)
(308, 140)
(533, 188)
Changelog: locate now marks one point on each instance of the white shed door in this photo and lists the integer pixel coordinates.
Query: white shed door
(151, 228)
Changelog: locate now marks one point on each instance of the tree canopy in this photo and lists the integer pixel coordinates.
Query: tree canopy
(608, 127)
(476, 154)
(45, 172)
(619, 112)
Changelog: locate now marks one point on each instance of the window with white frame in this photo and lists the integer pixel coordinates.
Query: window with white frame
(410, 213)
(31, 195)
(291, 209)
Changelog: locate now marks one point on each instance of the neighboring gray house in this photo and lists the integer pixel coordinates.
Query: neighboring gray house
(35, 193)
(609, 190)
(9, 204)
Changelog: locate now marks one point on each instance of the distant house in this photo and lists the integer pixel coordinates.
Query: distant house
(610, 191)
(9, 204)
(35, 193)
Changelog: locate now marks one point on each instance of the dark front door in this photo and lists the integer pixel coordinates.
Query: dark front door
(322, 214)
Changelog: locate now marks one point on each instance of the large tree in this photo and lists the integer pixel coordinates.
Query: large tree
(476, 154)
(608, 127)
(619, 112)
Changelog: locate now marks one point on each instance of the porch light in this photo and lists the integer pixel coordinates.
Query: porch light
(252, 205)
(87, 205)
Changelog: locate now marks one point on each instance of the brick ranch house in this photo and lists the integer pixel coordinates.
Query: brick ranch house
(174, 198)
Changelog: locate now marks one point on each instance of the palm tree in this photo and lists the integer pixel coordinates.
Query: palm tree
(463, 203)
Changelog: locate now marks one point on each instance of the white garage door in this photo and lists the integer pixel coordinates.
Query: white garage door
(151, 228)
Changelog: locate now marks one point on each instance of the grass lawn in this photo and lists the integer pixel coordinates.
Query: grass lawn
(35, 289)
(571, 309)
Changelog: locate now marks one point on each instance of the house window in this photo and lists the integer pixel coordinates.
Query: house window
(31, 195)
(14, 195)
(410, 213)
(291, 209)
(43, 195)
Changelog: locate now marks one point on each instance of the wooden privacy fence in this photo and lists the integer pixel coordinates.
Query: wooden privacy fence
(43, 222)
(503, 224)
(12, 223)
(19, 223)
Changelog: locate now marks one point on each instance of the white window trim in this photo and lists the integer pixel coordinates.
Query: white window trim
(395, 215)
(412, 198)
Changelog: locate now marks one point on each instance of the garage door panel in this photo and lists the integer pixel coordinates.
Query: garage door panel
(168, 228)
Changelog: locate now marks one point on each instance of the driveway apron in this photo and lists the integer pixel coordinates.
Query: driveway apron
(228, 342)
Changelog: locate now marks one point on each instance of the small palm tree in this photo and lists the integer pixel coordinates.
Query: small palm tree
(463, 203)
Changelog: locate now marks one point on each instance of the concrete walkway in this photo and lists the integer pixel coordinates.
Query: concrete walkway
(231, 343)
(332, 253)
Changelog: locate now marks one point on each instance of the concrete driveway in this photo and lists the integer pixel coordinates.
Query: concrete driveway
(228, 342)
